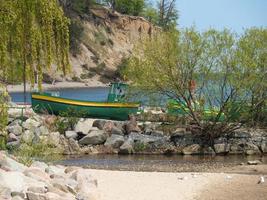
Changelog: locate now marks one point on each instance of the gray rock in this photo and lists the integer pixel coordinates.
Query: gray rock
(54, 139)
(145, 139)
(72, 147)
(241, 133)
(94, 138)
(192, 149)
(157, 133)
(31, 124)
(40, 165)
(13, 145)
(132, 126)
(71, 134)
(222, 148)
(251, 149)
(183, 139)
(10, 164)
(237, 148)
(127, 147)
(116, 131)
(27, 136)
(115, 141)
(16, 129)
(264, 146)
(42, 130)
(12, 137)
(83, 126)
(99, 124)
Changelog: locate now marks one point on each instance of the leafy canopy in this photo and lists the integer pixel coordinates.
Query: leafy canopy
(34, 35)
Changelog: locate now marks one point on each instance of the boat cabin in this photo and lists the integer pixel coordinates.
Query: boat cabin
(117, 92)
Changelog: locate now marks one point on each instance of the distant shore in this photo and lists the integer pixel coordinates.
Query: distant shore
(56, 86)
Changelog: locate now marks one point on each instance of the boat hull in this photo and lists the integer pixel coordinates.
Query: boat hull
(103, 110)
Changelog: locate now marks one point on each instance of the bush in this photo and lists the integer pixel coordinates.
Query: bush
(26, 153)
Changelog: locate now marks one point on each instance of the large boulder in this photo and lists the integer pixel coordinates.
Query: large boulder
(27, 136)
(15, 129)
(54, 139)
(127, 147)
(12, 137)
(94, 137)
(71, 134)
(117, 131)
(31, 124)
(83, 126)
(9, 164)
(114, 141)
(42, 130)
(99, 123)
(71, 147)
(145, 139)
(87, 185)
(183, 138)
(192, 149)
(132, 126)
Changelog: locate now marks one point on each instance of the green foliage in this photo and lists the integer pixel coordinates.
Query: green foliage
(139, 146)
(34, 34)
(171, 62)
(67, 120)
(129, 7)
(3, 141)
(168, 15)
(26, 153)
(81, 6)
(151, 14)
(4, 98)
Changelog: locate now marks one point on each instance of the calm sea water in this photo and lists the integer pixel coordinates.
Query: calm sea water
(88, 94)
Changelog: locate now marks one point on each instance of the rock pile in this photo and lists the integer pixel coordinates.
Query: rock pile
(43, 182)
(105, 136)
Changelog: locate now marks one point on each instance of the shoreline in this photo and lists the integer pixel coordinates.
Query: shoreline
(56, 86)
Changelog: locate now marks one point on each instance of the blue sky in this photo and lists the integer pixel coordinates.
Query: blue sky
(219, 14)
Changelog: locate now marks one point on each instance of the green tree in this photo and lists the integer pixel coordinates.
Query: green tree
(170, 62)
(252, 53)
(129, 7)
(168, 14)
(34, 35)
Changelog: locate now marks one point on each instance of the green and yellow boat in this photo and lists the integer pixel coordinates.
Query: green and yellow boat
(114, 108)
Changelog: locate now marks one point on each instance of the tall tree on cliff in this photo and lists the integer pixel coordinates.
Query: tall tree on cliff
(168, 15)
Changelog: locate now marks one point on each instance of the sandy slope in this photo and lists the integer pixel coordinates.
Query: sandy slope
(124, 185)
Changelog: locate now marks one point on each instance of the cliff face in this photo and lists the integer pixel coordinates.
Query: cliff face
(106, 40)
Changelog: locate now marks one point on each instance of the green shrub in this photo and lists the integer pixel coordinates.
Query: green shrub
(42, 150)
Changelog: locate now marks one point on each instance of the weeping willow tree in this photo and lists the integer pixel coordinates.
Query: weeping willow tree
(34, 36)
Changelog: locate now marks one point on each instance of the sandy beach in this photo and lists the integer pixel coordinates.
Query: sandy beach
(57, 85)
(125, 185)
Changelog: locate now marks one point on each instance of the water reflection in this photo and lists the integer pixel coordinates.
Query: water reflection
(175, 163)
